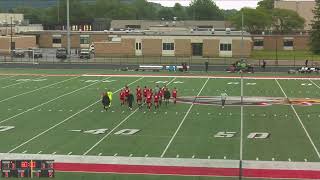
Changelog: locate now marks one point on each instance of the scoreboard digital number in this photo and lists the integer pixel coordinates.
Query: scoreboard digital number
(27, 168)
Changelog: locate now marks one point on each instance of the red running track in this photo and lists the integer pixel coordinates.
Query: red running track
(186, 171)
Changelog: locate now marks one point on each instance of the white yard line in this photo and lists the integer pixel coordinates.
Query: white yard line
(38, 89)
(6, 77)
(184, 118)
(19, 83)
(302, 125)
(241, 124)
(61, 122)
(124, 120)
(49, 101)
(314, 83)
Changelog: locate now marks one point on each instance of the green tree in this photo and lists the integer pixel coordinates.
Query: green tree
(255, 20)
(266, 4)
(145, 10)
(179, 11)
(315, 31)
(286, 21)
(204, 10)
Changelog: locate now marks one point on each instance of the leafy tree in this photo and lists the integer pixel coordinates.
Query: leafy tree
(315, 31)
(179, 11)
(286, 21)
(144, 10)
(166, 13)
(255, 20)
(266, 4)
(204, 10)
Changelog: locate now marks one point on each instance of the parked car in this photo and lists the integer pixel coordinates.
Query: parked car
(19, 53)
(35, 52)
(85, 54)
(61, 53)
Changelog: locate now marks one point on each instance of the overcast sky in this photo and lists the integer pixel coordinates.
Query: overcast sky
(223, 4)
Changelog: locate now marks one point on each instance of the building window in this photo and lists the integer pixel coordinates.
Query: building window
(56, 40)
(225, 47)
(138, 46)
(168, 46)
(84, 40)
(258, 42)
(288, 42)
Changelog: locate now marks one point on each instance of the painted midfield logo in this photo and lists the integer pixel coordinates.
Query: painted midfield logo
(247, 101)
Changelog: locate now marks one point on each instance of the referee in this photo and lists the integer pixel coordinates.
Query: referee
(223, 99)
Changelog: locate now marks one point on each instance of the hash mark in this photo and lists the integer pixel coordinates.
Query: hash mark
(39, 152)
(130, 155)
(224, 157)
(193, 156)
(69, 153)
(115, 154)
(257, 159)
(289, 160)
(24, 152)
(146, 155)
(209, 157)
(273, 159)
(305, 160)
(177, 156)
(54, 153)
(99, 154)
(70, 110)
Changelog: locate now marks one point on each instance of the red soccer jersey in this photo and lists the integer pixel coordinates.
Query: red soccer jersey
(145, 92)
(160, 93)
(138, 91)
(139, 96)
(156, 98)
(174, 93)
(126, 92)
(121, 95)
(149, 98)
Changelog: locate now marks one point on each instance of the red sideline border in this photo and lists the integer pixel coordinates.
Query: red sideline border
(186, 171)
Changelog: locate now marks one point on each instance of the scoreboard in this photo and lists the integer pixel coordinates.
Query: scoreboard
(27, 168)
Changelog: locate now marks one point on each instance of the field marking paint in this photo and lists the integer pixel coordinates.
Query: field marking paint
(7, 77)
(39, 152)
(301, 123)
(314, 83)
(61, 122)
(241, 126)
(124, 120)
(30, 109)
(19, 83)
(184, 118)
(69, 153)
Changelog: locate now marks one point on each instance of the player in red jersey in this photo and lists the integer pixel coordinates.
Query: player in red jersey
(126, 92)
(174, 95)
(149, 100)
(145, 92)
(122, 97)
(160, 94)
(156, 101)
(139, 96)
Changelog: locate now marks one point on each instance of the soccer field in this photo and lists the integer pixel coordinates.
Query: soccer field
(265, 119)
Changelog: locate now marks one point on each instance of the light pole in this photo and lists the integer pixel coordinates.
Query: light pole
(68, 30)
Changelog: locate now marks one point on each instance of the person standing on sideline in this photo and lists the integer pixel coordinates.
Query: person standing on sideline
(306, 63)
(130, 100)
(206, 64)
(264, 63)
(223, 99)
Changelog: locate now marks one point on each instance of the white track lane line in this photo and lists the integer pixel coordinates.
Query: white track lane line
(48, 102)
(19, 83)
(302, 125)
(61, 122)
(38, 89)
(184, 118)
(124, 120)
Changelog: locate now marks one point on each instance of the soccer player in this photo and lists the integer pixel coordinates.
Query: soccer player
(126, 92)
(160, 94)
(109, 94)
(167, 96)
(223, 99)
(174, 95)
(139, 96)
(122, 97)
(105, 101)
(149, 100)
(156, 101)
(130, 100)
(156, 89)
(145, 92)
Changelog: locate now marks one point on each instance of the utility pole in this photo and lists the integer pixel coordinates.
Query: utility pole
(11, 46)
(242, 43)
(58, 8)
(68, 30)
